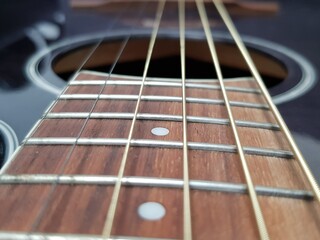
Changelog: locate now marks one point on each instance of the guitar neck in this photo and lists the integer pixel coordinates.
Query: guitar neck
(61, 181)
(123, 157)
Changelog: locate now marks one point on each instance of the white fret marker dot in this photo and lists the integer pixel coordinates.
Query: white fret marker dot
(160, 131)
(151, 211)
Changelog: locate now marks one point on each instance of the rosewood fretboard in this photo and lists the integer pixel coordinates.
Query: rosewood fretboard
(71, 159)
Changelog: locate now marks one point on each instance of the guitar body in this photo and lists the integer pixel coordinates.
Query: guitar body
(41, 64)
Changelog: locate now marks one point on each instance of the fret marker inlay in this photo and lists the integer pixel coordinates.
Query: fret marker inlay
(160, 131)
(151, 211)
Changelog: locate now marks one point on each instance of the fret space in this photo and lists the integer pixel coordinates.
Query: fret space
(215, 166)
(98, 160)
(154, 162)
(207, 110)
(162, 91)
(107, 128)
(276, 172)
(40, 160)
(63, 214)
(120, 89)
(210, 133)
(66, 128)
(284, 218)
(160, 107)
(73, 106)
(224, 214)
(115, 106)
(74, 216)
(95, 89)
(216, 94)
(22, 204)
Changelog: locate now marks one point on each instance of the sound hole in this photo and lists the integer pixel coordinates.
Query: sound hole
(165, 62)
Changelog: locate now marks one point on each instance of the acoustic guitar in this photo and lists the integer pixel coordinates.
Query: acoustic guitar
(162, 127)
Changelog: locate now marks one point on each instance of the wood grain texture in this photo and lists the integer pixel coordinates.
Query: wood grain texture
(162, 107)
(162, 91)
(291, 218)
(277, 172)
(233, 96)
(215, 166)
(70, 209)
(76, 209)
(20, 205)
(94, 160)
(154, 162)
(83, 208)
(210, 133)
(222, 216)
(95, 89)
(59, 128)
(40, 160)
(73, 106)
(97, 128)
(115, 106)
(133, 90)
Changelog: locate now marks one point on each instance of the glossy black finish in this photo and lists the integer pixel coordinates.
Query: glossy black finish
(297, 26)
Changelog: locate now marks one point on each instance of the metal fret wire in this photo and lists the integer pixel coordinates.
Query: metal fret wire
(187, 227)
(162, 98)
(115, 196)
(159, 79)
(129, 77)
(135, 181)
(234, 33)
(252, 192)
(162, 117)
(158, 143)
(51, 236)
(167, 84)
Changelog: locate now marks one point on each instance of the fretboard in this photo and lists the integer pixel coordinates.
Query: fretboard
(61, 181)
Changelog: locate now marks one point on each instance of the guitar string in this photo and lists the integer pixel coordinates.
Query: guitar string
(187, 227)
(116, 192)
(234, 33)
(121, 49)
(252, 192)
